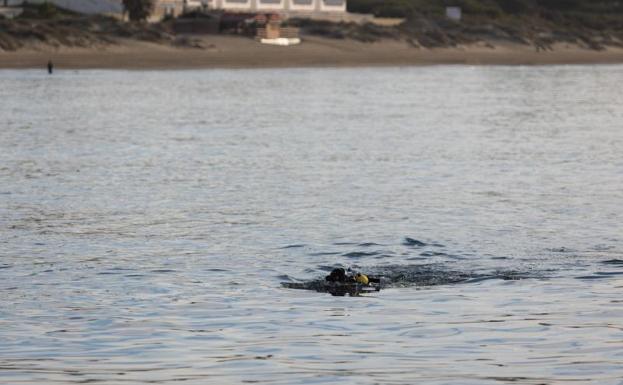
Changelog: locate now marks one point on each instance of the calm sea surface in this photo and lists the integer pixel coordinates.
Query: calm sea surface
(147, 220)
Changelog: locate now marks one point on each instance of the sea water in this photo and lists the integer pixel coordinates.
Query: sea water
(148, 219)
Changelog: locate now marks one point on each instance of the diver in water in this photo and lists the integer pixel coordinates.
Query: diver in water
(339, 275)
(340, 283)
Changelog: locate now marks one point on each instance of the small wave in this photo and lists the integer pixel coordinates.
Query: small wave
(420, 275)
(602, 248)
(322, 253)
(413, 242)
(369, 244)
(383, 256)
(326, 267)
(610, 273)
(433, 254)
(295, 246)
(284, 277)
(591, 277)
(615, 262)
(360, 254)
(561, 250)
(601, 275)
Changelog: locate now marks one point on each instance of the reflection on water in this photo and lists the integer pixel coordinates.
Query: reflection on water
(147, 220)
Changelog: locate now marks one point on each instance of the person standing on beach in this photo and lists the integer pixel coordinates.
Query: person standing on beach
(50, 67)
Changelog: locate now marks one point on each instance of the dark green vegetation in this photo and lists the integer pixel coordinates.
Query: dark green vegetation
(44, 11)
(48, 25)
(542, 23)
(366, 33)
(490, 8)
(138, 10)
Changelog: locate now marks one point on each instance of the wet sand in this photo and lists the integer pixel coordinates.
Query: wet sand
(238, 52)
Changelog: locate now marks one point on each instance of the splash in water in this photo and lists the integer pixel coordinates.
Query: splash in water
(401, 276)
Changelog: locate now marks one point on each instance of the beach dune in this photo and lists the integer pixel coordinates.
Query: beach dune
(240, 52)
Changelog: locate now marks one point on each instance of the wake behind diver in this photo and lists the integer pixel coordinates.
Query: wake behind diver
(339, 283)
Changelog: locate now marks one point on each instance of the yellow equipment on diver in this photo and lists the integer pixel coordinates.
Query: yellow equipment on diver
(362, 278)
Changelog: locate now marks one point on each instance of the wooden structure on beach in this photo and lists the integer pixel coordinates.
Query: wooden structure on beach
(271, 31)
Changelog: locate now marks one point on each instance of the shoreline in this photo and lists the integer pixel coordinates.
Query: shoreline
(238, 52)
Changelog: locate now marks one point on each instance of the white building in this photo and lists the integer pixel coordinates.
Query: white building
(307, 6)
(323, 9)
(257, 5)
(175, 7)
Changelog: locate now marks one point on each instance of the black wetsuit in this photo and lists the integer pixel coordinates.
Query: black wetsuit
(339, 275)
(338, 283)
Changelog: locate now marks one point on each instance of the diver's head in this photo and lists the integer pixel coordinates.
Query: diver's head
(337, 275)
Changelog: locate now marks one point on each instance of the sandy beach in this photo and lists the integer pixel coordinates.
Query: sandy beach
(239, 52)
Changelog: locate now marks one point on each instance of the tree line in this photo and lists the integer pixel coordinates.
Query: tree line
(491, 8)
(138, 10)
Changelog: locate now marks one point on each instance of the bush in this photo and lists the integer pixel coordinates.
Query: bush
(477, 7)
(138, 10)
(47, 10)
(516, 6)
(490, 8)
(560, 5)
(382, 8)
(44, 11)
